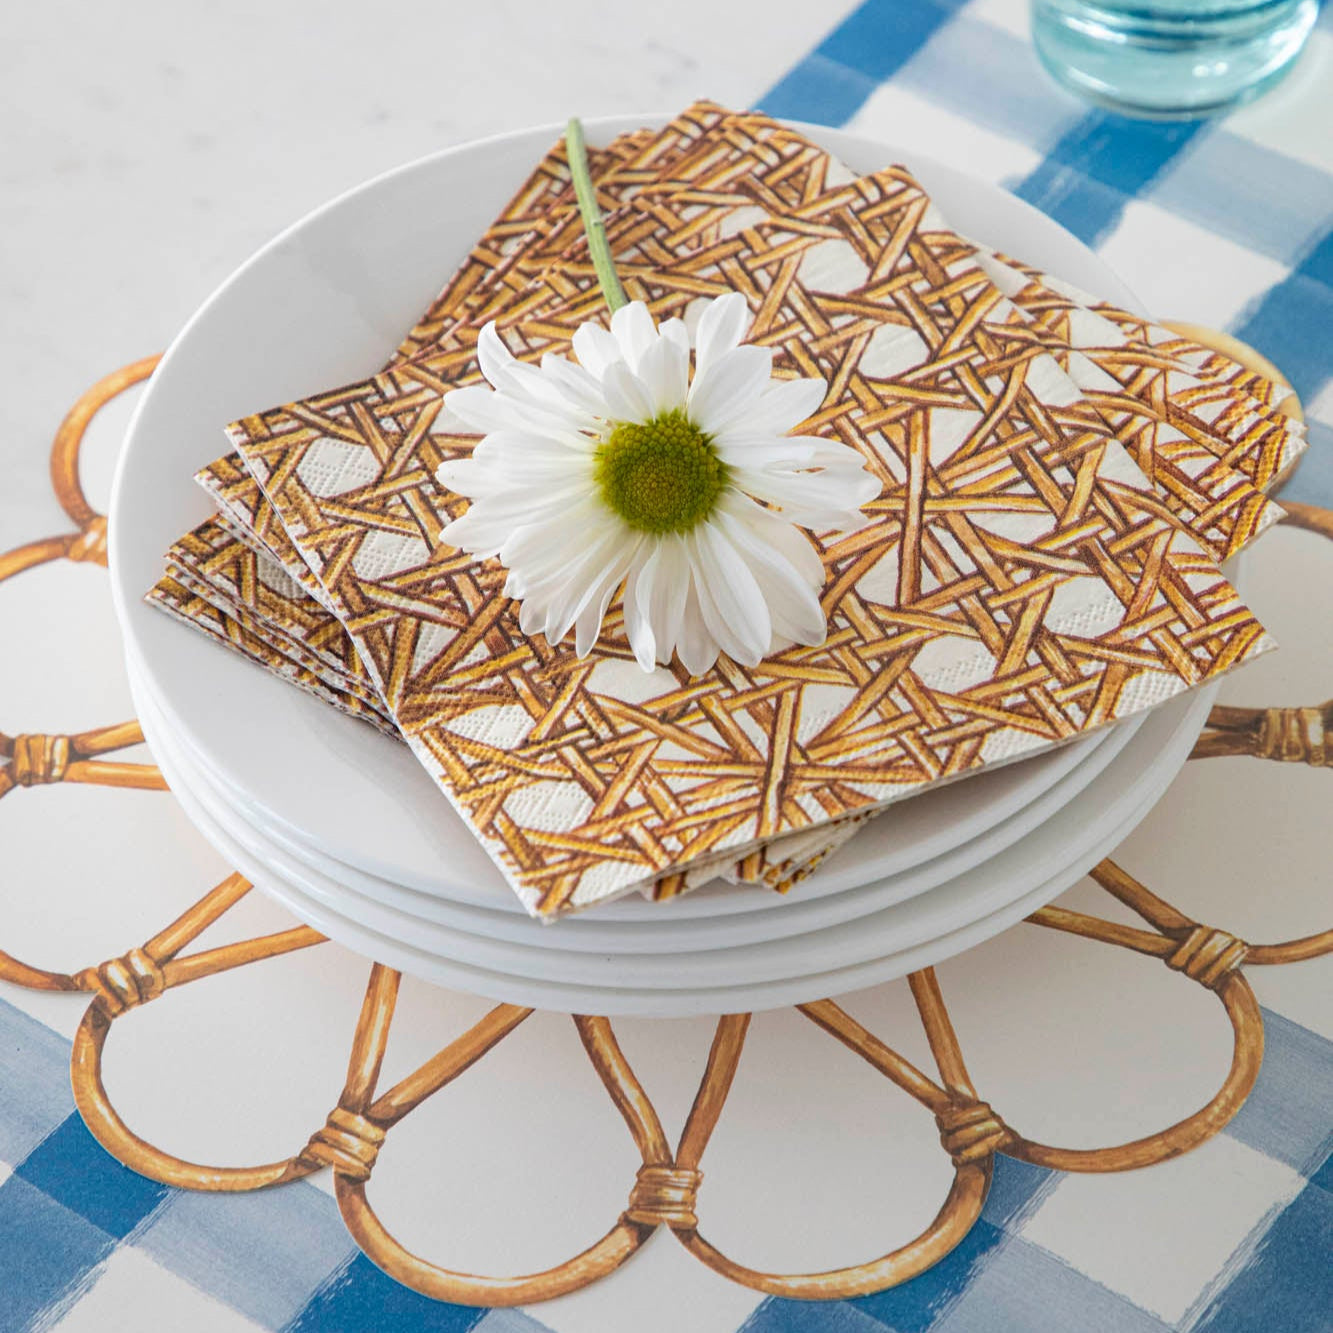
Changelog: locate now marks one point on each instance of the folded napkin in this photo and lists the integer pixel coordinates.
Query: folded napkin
(771, 871)
(254, 640)
(251, 587)
(1231, 411)
(1020, 583)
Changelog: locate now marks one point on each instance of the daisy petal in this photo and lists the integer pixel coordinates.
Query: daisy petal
(540, 549)
(696, 647)
(632, 328)
(577, 384)
(627, 397)
(463, 476)
(720, 329)
(793, 604)
(665, 372)
(732, 604)
(674, 331)
(494, 357)
(726, 390)
(515, 452)
(596, 574)
(589, 622)
(794, 546)
(784, 404)
(485, 410)
(831, 453)
(479, 408)
(671, 587)
(638, 598)
(475, 534)
(596, 349)
(763, 451)
(815, 500)
(530, 618)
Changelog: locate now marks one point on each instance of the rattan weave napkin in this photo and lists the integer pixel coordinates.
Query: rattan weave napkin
(1215, 409)
(493, 252)
(1021, 583)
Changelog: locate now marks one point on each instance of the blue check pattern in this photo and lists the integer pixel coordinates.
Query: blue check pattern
(280, 1260)
(74, 1223)
(1096, 173)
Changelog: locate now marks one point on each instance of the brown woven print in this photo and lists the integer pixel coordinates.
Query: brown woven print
(255, 587)
(1019, 582)
(171, 596)
(1208, 398)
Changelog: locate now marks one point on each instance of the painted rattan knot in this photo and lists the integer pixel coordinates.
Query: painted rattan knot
(124, 983)
(90, 544)
(665, 1194)
(1296, 736)
(1208, 956)
(349, 1143)
(39, 759)
(971, 1131)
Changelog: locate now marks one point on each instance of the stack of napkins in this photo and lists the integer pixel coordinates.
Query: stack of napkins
(1059, 481)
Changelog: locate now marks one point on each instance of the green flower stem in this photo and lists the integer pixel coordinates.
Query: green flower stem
(598, 246)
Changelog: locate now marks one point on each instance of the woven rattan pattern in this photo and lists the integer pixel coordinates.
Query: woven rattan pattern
(666, 1190)
(221, 567)
(509, 249)
(1001, 502)
(1183, 429)
(520, 244)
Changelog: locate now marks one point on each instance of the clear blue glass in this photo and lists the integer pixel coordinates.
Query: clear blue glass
(1170, 58)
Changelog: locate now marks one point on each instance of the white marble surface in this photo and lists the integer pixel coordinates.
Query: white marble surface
(149, 148)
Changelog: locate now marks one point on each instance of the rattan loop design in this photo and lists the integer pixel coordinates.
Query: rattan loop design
(363, 1115)
(1208, 956)
(349, 1143)
(144, 974)
(122, 983)
(69, 437)
(90, 544)
(1287, 735)
(960, 1209)
(39, 759)
(1247, 1055)
(1296, 735)
(36, 759)
(667, 1186)
(971, 1131)
(665, 1195)
(107, 1127)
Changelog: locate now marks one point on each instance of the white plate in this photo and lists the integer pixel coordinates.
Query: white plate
(593, 932)
(886, 944)
(318, 306)
(905, 843)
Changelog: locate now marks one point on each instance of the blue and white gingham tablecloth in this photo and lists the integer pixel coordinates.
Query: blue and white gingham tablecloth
(1224, 223)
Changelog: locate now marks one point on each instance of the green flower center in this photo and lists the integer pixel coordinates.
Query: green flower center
(660, 476)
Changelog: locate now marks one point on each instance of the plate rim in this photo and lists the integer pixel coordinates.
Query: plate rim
(695, 1000)
(587, 929)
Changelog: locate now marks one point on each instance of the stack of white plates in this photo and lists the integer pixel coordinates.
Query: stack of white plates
(340, 823)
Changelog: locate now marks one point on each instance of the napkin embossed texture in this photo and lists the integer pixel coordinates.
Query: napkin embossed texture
(1207, 396)
(244, 582)
(489, 251)
(1019, 582)
(251, 641)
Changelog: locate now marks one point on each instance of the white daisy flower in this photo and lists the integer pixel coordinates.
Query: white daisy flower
(625, 469)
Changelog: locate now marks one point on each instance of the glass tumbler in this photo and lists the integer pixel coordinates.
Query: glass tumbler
(1170, 58)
